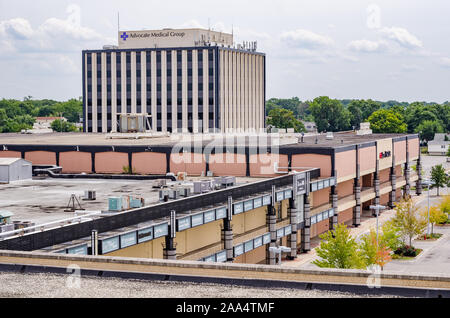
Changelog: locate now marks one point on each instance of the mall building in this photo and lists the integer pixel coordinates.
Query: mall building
(174, 81)
(284, 195)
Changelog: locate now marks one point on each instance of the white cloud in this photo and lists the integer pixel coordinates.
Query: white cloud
(402, 37)
(367, 46)
(53, 35)
(18, 28)
(411, 68)
(51, 48)
(445, 61)
(306, 39)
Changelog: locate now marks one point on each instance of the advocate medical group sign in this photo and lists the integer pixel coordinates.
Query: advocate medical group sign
(171, 38)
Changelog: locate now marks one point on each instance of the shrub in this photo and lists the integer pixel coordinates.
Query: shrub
(406, 250)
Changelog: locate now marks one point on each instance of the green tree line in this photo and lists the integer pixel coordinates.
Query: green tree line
(16, 115)
(341, 115)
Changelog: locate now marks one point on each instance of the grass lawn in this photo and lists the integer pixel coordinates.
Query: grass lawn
(406, 258)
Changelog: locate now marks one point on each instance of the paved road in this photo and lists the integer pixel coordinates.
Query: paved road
(434, 259)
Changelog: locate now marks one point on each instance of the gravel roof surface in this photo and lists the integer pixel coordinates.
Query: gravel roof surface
(14, 285)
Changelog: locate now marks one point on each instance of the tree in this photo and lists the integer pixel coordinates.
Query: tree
(391, 236)
(445, 204)
(283, 118)
(416, 113)
(383, 256)
(378, 252)
(407, 220)
(439, 177)
(437, 216)
(428, 129)
(338, 250)
(368, 248)
(386, 121)
(360, 110)
(60, 125)
(330, 114)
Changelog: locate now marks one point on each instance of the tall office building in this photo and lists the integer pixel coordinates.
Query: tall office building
(185, 81)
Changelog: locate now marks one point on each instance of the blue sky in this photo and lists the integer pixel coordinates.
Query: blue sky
(382, 50)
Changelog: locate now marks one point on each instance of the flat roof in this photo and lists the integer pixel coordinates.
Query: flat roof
(8, 161)
(339, 140)
(50, 197)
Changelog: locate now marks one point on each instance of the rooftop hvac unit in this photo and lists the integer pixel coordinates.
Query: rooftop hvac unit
(228, 181)
(160, 183)
(202, 186)
(330, 136)
(136, 203)
(6, 228)
(23, 225)
(90, 195)
(174, 194)
(163, 194)
(132, 123)
(126, 202)
(184, 191)
(115, 204)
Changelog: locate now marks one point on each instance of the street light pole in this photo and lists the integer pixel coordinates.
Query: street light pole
(279, 250)
(377, 208)
(428, 183)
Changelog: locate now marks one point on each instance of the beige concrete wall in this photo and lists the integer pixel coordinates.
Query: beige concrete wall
(249, 221)
(367, 160)
(400, 152)
(110, 162)
(152, 249)
(228, 164)
(345, 164)
(383, 146)
(242, 74)
(262, 165)
(75, 162)
(41, 157)
(345, 216)
(384, 199)
(313, 161)
(320, 197)
(319, 228)
(398, 171)
(149, 163)
(10, 154)
(255, 256)
(345, 188)
(384, 175)
(198, 237)
(191, 163)
(413, 146)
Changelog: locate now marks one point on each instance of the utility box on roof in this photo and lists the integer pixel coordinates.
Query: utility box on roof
(15, 169)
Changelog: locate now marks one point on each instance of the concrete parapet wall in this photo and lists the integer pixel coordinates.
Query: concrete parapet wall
(226, 270)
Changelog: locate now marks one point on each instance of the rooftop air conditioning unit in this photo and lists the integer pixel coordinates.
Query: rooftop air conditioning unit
(330, 136)
(228, 181)
(174, 194)
(160, 183)
(90, 195)
(132, 123)
(202, 186)
(184, 191)
(163, 194)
